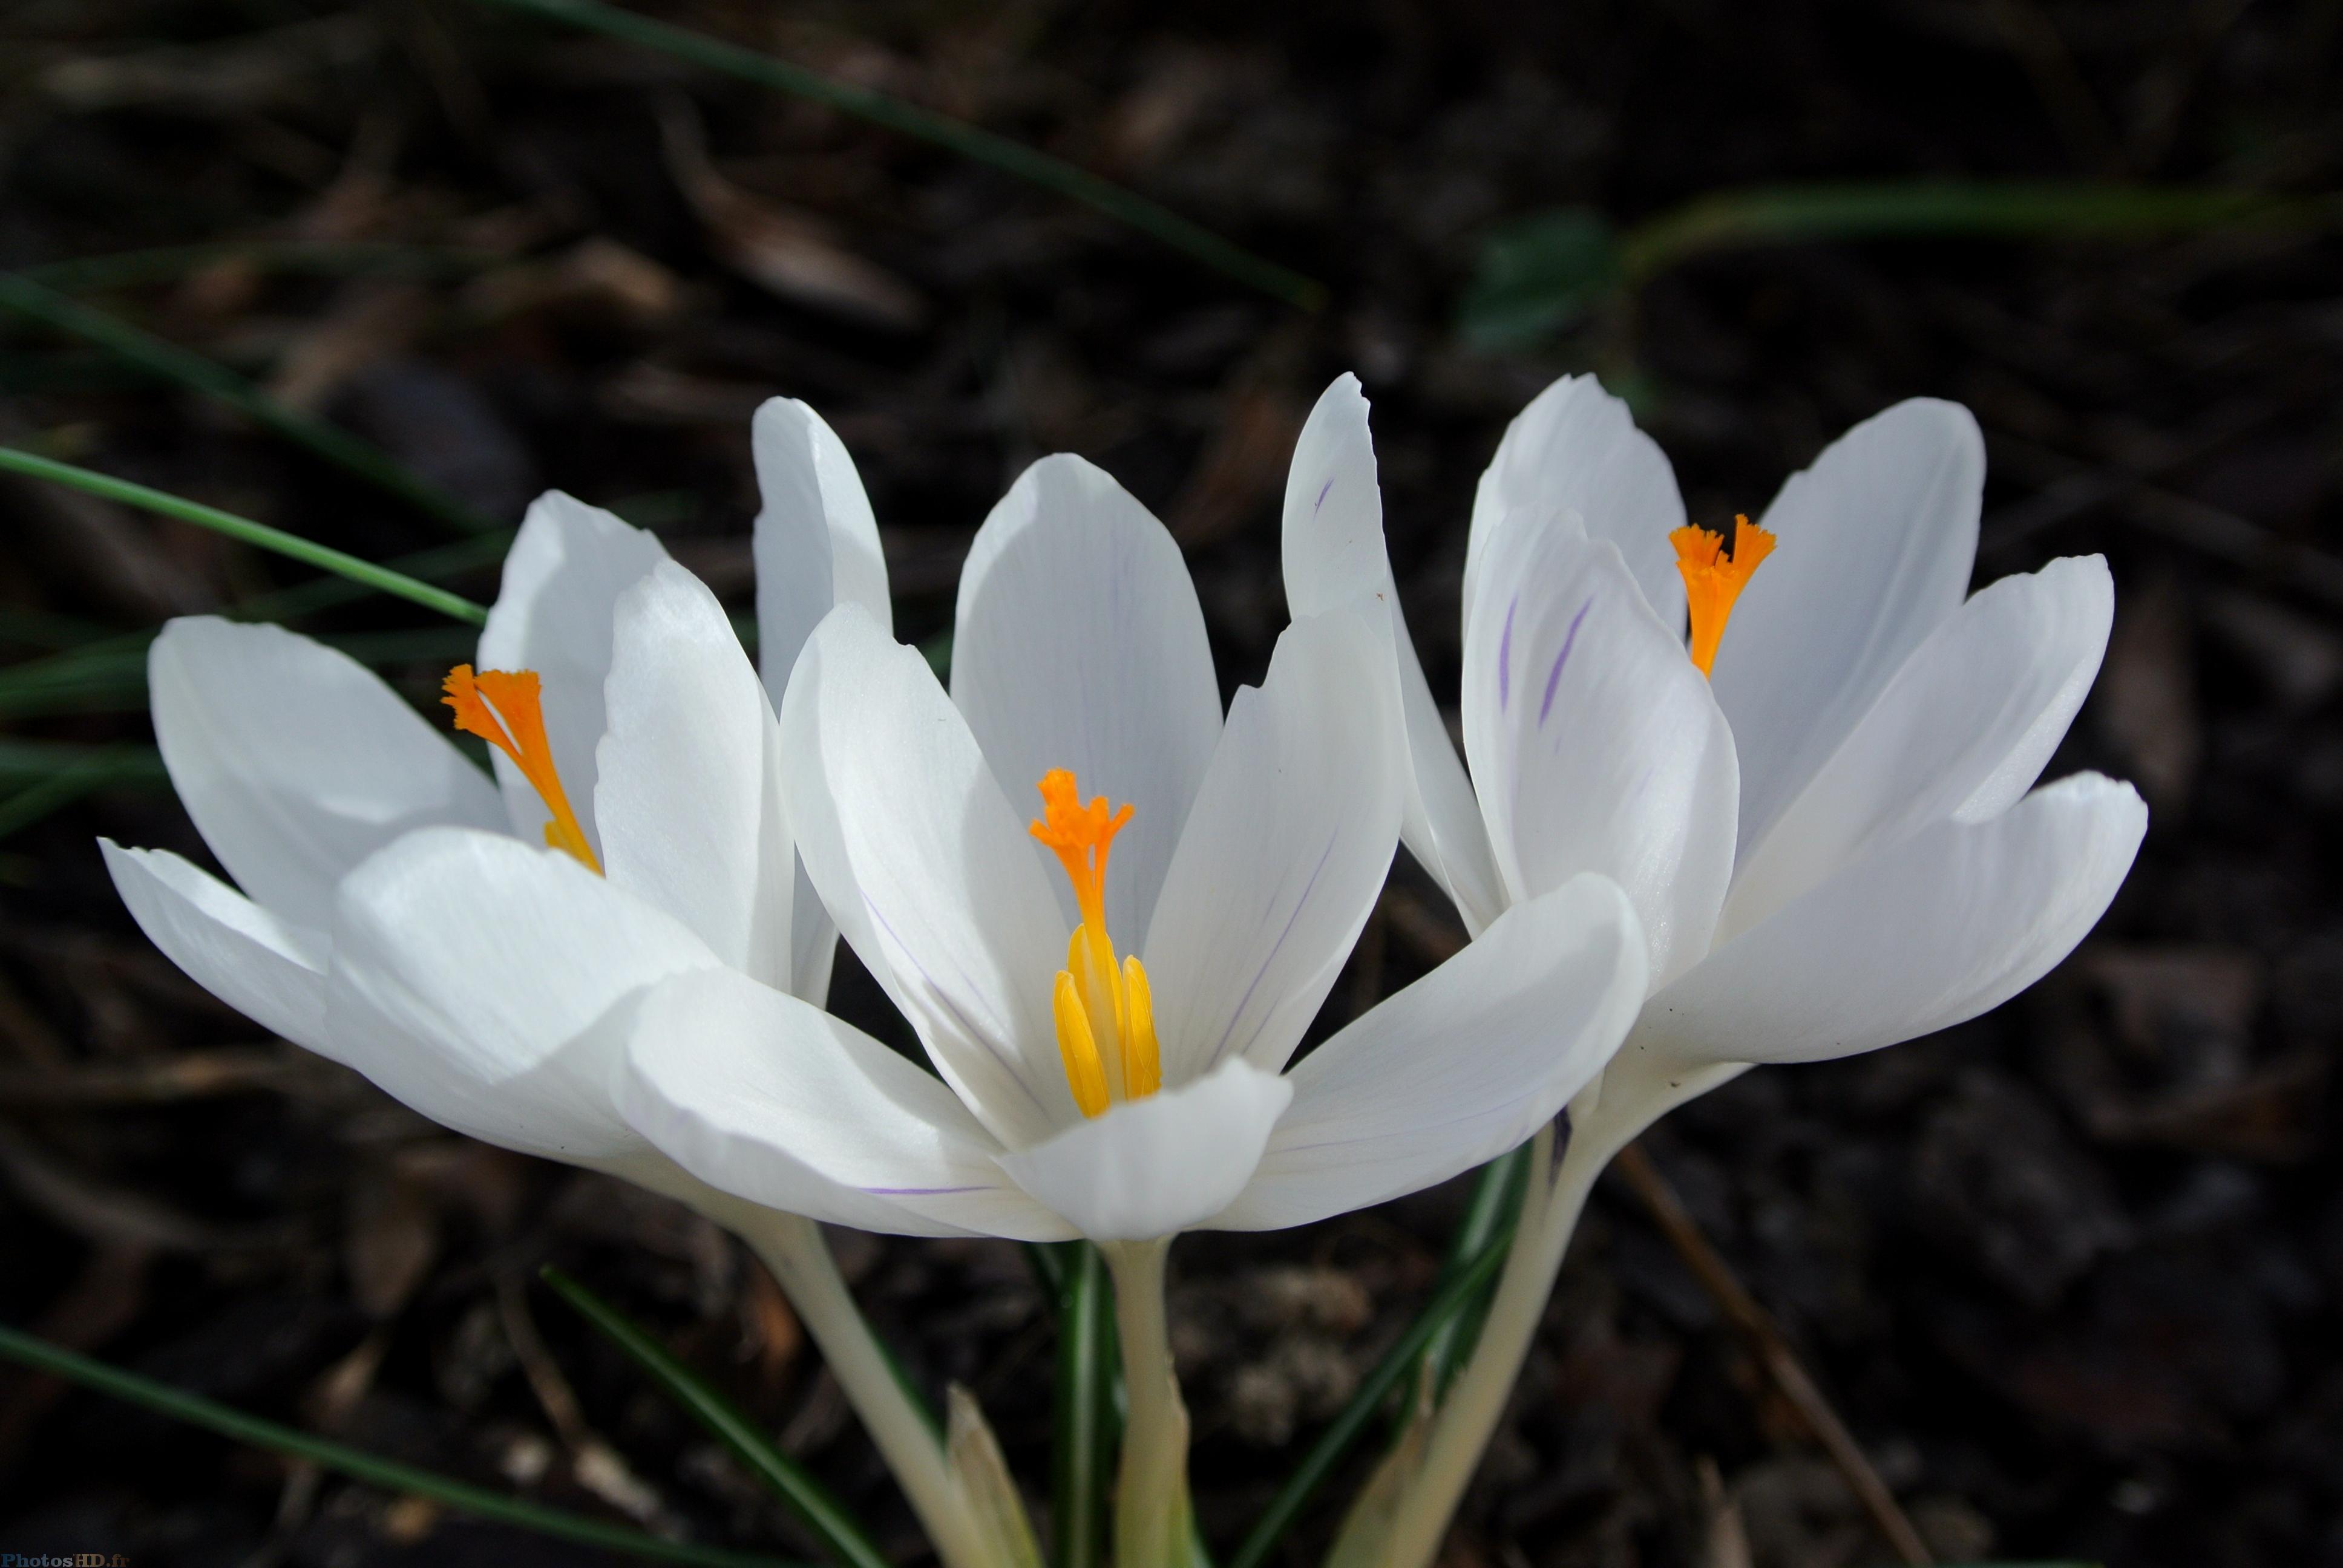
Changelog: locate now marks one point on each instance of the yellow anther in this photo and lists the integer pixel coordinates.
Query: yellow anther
(1105, 1017)
(502, 707)
(1143, 1067)
(1714, 579)
(1084, 1073)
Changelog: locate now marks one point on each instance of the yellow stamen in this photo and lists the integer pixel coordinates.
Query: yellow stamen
(1714, 579)
(1106, 1020)
(502, 707)
(1084, 1074)
(1143, 1067)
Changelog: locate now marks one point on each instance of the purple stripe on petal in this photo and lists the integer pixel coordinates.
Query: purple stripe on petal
(921, 1191)
(1505, 656)
(1553, 677)
(1324, 491)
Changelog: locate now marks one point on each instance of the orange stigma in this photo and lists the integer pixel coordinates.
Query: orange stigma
(1714, 579)
(1105, 1014)
(502, 707)
(1080, 835)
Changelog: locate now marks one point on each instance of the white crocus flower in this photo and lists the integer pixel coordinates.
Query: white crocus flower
(399, 910)
(1818, 797)
(1829, 834)
(476, 946)
(1122, 1093)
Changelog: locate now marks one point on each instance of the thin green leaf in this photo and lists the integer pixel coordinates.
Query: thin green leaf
(968, 141)
(1083, 1459)
(1346, 1428)
(290, 604)
(27, 762)
(1542, 272)
(1538, 275)
(1765, 215)
(812, 1501)
(197, 1410)
(135, 345)
(40, 628)
(327, 258)
(104, 677)
(1489, 1218)
(58, 791)
(1049, 1265)
(341, 564)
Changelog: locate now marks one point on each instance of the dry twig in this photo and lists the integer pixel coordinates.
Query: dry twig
(1774, 1353)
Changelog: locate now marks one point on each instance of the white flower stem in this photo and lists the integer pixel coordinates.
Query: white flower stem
(793, 1249)
(1477, 1398)
(1150, 1495)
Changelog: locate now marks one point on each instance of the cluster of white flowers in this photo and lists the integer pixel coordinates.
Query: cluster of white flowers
(1723, 800)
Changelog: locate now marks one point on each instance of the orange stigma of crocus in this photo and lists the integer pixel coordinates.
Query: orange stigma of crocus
(1714, 579)
(1105, 1014)
(502, 707)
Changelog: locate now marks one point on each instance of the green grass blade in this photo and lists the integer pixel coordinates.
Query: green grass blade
(135, 345)
(293, 545)
(1542, 272)
(38, 777)
(289, 604)
(109, 677)
(229, 1421)
(2007, 208)
(968, 141)
(1354, 1418)
(1489, 1219)
(113, 679)
(1084, 1458)
(39, 628)
(61, 788)
(23, 763)
(812, 1501)
(323, 259)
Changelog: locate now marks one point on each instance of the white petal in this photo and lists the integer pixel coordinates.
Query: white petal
(816, 542)
(295, 761)
(813, 935)
(1950, 922)
(1458, 1068)
(271, 971)
(1155, 1166)
(1283, 857)
(817, 546)
(1335, 557)
(1079, 644)
(1877, 540)
(931, 876)
(1575, 453)
(485, 981)
(1597, 744)
(1961, 731)
(772, 1100)
(569, 565)
(689, 798)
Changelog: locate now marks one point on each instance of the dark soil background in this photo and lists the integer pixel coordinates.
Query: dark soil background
(2071, 1272)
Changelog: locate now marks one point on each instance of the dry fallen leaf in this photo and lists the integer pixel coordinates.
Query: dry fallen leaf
(791, 254)
(2148, 692)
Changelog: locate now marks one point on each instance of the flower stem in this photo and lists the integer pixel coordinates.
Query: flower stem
(793, 1249)
(1150, 1499)
(1477, 1398)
